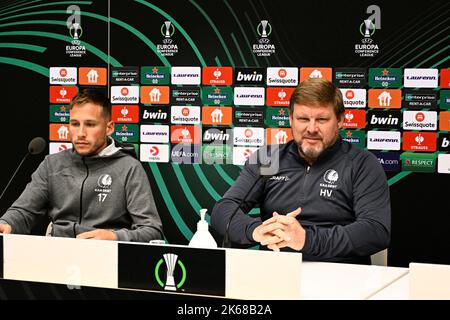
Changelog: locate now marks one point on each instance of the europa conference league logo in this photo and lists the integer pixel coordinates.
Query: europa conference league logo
(76, 31)
(171, 262)
(367, 28)
(168, 47)
(264, 48)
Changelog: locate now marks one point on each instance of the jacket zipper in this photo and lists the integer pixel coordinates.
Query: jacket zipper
(81, 194)
(308, 168)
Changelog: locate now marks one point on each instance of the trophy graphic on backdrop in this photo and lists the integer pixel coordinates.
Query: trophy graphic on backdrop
(264, 28)
(369, 25)
(171, 260)
(75, 27)
(167, 24)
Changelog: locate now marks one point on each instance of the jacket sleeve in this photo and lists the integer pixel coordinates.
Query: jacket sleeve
(242, 225)
(146, 223)
(370, 232)
(32, 203)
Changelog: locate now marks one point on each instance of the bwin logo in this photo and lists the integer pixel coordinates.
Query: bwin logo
(250, 77)
(105, 181)
(331, 176)
(389, 120)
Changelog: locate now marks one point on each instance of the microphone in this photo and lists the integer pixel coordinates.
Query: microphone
(36, 146)
(265, 173)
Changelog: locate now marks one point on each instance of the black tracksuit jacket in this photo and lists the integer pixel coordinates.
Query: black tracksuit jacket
(344, 198)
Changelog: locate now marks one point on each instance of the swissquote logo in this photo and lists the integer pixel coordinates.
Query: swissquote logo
(185, 115)
(354, 98)
(420, 120)
(248, 136)
(63, 75)
(124, 94)
(282, 76)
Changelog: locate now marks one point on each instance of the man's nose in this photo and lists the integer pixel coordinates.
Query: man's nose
(312, 126)
(82, 131)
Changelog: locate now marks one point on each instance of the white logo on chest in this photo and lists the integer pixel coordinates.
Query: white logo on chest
(330, 178)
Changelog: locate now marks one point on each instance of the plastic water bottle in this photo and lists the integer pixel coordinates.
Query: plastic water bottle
(202, 238)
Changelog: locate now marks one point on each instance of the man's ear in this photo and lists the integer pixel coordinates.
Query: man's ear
(340, 120)
(110, 128)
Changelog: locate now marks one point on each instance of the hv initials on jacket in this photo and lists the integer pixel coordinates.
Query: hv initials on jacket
(344, 198)
(106, 191)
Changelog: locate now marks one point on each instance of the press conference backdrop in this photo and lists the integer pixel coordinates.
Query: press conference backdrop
(243, 60)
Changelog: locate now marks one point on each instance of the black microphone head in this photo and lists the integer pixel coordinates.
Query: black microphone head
(37, 145)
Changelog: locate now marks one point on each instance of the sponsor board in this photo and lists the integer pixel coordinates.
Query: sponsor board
(59, 113)
(254, 76)
(420, 120)
(92, 76)
(350, 77)
(419, 141)
(282, 77)
(249, 117)
(63, 75)
(155, 133)
(155, 115)
(124, 75)
(383, 140)
(277, 117)
(125, 113)
(420, 78)
(154, 153)
(185, 95)
(185, 115)
(249, 96)
(219, 116)
(124, 94)
(420, 99)
(155, 75)
(186, 75)
(354, 98)
(391, 119)
(126, 132)
(418, 162)
(355, 137)
(248, 136)
(390, 161)
(385, 77)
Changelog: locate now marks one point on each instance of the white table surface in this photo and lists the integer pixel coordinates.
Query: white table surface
(398, 290)
(322, 280)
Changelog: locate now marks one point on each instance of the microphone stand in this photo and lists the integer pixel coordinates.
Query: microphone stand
(14, 174)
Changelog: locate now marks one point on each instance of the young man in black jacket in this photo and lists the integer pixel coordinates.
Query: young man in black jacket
(328, 199)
